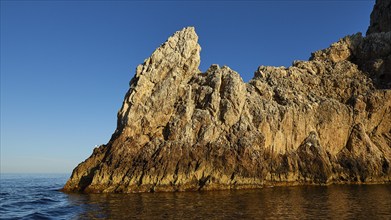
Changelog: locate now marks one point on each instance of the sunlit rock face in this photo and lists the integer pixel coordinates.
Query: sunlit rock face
(323, 121)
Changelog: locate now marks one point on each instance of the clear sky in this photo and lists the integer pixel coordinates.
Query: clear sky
(66, 65)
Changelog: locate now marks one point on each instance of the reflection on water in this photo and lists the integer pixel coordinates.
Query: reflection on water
(309, 202)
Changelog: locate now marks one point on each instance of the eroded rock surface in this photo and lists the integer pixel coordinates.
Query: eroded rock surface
(327, 120)
(380, 17)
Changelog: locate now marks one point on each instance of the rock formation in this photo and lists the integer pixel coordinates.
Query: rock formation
(322, 121)
(380, 17)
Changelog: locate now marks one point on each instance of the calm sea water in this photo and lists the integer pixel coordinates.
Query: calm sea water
(33, 196)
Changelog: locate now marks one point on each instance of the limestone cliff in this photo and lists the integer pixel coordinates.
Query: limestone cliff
(327, 120)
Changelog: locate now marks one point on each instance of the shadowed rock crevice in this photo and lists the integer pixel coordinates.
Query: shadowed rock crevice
(380, 17)
(322, 121)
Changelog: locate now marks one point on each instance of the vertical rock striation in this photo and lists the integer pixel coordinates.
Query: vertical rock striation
(322, 121)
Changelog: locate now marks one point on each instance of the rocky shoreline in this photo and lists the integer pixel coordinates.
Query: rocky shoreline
(322, 121)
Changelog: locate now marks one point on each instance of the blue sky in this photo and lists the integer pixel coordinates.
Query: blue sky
(66, 65)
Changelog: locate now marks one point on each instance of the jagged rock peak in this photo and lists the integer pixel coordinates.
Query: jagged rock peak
(181, 50)
(380, 17)
(158, 82)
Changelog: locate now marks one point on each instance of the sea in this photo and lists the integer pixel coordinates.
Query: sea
(38, 196)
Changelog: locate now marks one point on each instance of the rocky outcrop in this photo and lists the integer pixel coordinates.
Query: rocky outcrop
(322, 121)
(380, 17)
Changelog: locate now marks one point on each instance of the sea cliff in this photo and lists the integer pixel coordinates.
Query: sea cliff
(322, 121)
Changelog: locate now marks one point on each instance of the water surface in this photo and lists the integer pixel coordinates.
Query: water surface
(37, 197)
